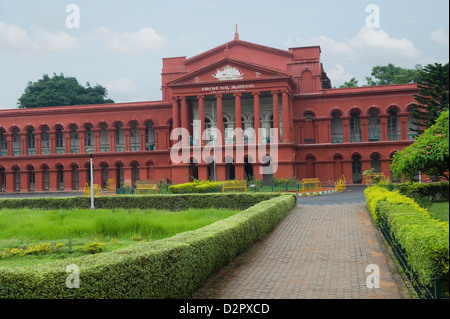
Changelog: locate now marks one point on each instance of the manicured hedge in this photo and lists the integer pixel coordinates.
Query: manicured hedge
(169, 268)
(168, 201)
(425, 190)
(196, 187)
(425, 240)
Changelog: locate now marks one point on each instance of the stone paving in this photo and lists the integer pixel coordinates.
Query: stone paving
(316, 252)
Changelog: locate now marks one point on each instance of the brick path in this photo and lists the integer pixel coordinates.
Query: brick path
(316, 252)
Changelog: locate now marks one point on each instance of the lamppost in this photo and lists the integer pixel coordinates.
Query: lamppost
(214, 141)
(90, 150)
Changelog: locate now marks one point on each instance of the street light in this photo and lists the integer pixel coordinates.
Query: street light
(90, 150)
(214, 140)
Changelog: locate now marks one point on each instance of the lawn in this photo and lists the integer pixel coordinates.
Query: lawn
(58, 234)
(439, 210)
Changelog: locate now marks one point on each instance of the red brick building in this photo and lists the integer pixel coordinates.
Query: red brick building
(321, 132)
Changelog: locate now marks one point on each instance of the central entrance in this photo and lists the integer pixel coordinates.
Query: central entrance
(248, 168)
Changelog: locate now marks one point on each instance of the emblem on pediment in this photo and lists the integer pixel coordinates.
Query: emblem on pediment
(228, 73)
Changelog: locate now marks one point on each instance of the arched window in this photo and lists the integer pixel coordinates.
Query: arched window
(46, 177)
(356, 169)
(45, 141)
(105, 174)
(104, 138)
(89, 137)
(193, 169)
(3, 179)
(355, 126)
(309, 129)
(394, 179)
(31, 178)
(211, 172)
(119, 174)
(31, 142)
(60, 169)
(59, 140)
(17, 145)
(337, 132)
(135, 173)
(16, 178)
(74, 140)
(393, 126)
(150, 138)
(376, 162)
(75, 177)
(412, 126)
(134, 137)
(3, 143)
(374, 126)
(120, 141)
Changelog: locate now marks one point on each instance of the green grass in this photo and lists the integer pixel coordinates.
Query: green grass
(439, 210)
(21, 228)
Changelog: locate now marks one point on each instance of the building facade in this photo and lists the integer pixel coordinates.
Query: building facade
(303, 127)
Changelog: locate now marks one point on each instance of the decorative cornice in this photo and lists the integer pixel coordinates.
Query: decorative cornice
(94, 108)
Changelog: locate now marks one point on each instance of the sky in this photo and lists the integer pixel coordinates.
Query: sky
(120, 44)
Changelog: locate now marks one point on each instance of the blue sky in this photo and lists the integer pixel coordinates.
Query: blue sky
(120, 44)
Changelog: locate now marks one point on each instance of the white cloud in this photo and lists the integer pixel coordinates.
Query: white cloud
(55, 42)
(13, 38)
(378, 47)
(440, 36)
(338, 75)
(368, 46)
(141, 41)
(121, 89)
(119, 86)
(329, 47)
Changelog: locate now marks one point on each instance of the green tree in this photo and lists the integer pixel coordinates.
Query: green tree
(428, 154)
(432, 97)
(59, 90)
(391, 74)
(350, 84)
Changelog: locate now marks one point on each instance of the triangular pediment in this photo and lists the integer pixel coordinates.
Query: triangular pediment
(228, 70)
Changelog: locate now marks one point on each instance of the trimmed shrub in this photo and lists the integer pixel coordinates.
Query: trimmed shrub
(156, 201)
(430, 191)
(196, 187)
(94, 247)
(376, 194)
(169, 268)
(425, 240)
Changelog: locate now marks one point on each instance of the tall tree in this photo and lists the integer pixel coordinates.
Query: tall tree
(59, 90)
(432, 98)
(428, 154)
(391, 74)
(352, 83)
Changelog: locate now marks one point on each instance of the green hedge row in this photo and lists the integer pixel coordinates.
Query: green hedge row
(425, 190)
(425, 240)
(163, 201)
(169, 268)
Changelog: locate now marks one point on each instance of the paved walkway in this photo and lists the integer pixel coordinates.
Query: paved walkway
(316, 252)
